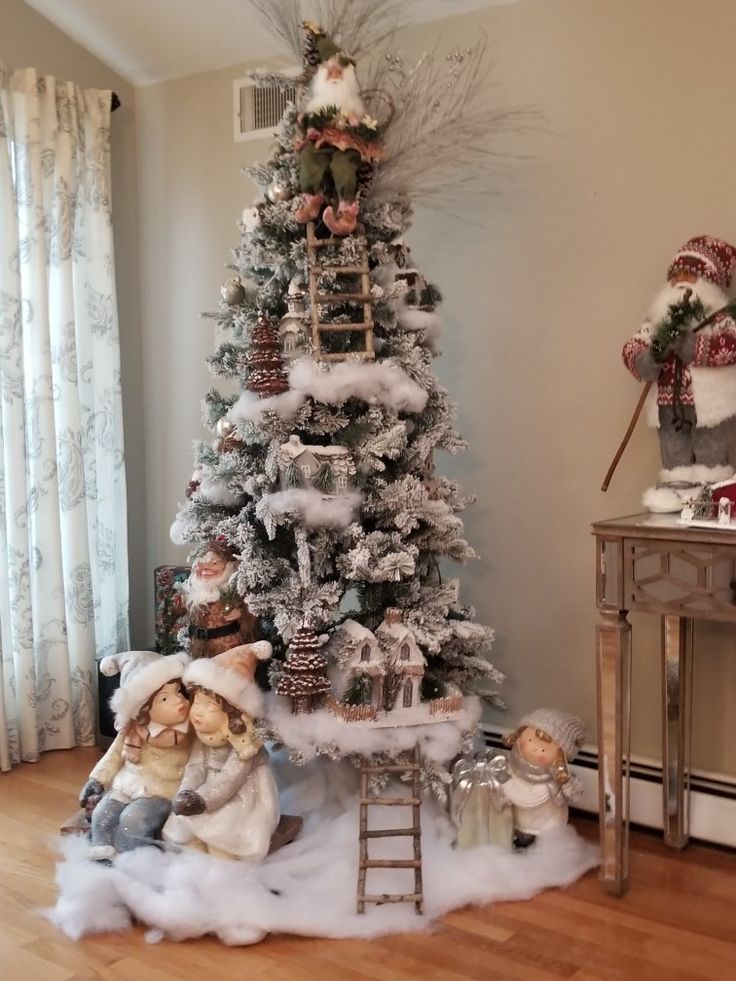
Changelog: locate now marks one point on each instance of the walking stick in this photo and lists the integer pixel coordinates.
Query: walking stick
(627, 437)
(729, 308)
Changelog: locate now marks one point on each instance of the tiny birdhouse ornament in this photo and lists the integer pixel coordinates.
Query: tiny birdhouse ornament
(294, 326)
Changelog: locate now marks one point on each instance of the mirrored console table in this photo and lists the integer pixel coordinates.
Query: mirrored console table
(652, 564)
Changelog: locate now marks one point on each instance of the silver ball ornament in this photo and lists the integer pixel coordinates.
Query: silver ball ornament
(277, 191)
(233, 291)
(225, 427)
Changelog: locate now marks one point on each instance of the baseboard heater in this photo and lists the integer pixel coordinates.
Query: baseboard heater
(712, 797)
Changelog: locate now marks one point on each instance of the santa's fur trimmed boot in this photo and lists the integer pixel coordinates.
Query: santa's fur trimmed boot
(308, 210)
(344, 222)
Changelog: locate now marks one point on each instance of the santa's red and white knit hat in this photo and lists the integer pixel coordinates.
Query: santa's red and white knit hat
(230, 675)
(142, 673)
(707, 257)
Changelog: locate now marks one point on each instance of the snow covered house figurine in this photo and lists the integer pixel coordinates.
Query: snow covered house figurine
(403, 660)
(362, 659)
(329, 469)
(294, 327)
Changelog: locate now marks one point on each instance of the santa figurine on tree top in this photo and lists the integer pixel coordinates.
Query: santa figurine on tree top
(694, 365)
(337, 135)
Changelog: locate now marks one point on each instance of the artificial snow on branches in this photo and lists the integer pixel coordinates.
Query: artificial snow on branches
(310, 507)
(379, 381)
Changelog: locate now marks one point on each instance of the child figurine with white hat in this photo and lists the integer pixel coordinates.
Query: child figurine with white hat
(228, 803)
(541, 786)
(142, 769)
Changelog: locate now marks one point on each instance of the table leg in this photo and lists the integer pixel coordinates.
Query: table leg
(677, 670)
(613, 643)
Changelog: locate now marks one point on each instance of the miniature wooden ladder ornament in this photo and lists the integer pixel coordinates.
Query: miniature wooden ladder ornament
(412, 765)
(364, 298)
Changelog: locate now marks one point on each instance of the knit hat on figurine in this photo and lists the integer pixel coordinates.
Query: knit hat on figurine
(142, 673)
(707, 257)
(567, 731)
(230, 675)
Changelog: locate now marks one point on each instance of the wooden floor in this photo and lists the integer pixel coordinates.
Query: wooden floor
(678, 921)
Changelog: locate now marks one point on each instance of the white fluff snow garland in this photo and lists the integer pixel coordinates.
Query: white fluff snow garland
(311, 507)
(308, 887)
(312, 733)
(381, 381)
(372, 381)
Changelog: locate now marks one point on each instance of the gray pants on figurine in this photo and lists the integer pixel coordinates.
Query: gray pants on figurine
(122, 826)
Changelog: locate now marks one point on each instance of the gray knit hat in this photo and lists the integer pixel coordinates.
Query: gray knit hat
(567, 731)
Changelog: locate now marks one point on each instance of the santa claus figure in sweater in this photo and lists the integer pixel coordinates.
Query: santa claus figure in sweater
(337, 135)
(693, 403)
(218, 618)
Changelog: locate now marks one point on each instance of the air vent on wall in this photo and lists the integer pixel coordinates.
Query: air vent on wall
(258, 111)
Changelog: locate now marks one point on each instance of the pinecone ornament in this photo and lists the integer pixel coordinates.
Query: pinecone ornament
(266, 375)
(304, 678)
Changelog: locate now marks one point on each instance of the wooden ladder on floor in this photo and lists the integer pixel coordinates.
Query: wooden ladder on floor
(362, 298)
(412, 766)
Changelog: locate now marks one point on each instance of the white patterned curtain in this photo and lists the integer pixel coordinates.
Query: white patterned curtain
(63, 536)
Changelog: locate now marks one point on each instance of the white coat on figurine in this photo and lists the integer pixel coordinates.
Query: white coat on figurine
(228, 802)
(540, 785)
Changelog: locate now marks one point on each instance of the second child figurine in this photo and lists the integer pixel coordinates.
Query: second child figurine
(228, 802)
(540, 786)
(141, 771)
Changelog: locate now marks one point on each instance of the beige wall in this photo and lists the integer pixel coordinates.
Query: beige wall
(542, 284)
(27, 39)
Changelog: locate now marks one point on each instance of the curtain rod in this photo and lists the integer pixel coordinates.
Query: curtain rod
(115, 102)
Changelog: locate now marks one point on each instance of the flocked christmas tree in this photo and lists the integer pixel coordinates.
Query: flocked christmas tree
(363, 405)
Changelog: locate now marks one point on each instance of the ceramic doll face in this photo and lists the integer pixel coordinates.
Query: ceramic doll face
(169, 706)
(536, 747)
(207, 716)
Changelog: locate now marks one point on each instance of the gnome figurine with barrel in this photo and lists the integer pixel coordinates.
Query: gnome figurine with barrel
(337, 136)
(687, 346)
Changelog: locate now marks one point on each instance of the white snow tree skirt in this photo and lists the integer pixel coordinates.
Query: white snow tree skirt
(309, 886)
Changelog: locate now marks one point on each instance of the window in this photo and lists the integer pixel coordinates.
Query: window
(365, 652)
(404, 652)
(408, 688)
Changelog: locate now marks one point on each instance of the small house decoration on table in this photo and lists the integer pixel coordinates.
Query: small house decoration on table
(714, 506)
(329, 469)
(294, 328)
(304, 679)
